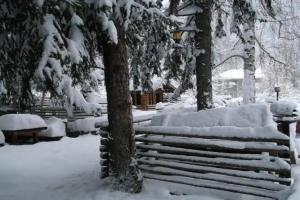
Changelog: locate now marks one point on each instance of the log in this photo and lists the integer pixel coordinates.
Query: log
(192, 152)
(215, 177)
(181, 132)
(214, 170)
(215, 185)
(278, 166)
(218, 145)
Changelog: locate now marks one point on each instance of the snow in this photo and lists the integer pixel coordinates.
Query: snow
(85, 125)
(296, 186)
(189, 10)
(69, 169)
(56, 128)
(2, 139)
(12, 122)
(283, 107)
(238, 74)
(253, 115)
(157, 82)
(266, 132)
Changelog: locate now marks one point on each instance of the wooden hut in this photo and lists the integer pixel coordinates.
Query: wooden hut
(147, 99)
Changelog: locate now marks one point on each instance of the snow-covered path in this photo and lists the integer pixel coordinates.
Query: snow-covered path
(69, 170)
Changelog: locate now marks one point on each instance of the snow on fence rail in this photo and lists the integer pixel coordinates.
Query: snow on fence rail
(253, 161)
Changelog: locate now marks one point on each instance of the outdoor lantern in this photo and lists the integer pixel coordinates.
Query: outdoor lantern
(277, 90)
(177, 35)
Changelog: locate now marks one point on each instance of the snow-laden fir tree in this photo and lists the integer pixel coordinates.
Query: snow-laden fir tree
(115, 20)
(53, 54)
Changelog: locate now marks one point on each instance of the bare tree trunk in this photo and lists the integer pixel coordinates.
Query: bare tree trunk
(127, 177)
(249, 61)
(204, 58)
(185, 82)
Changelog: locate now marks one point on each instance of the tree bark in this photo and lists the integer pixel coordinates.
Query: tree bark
(173, 7)
(204, 59)
(127, 177)
(249, 61)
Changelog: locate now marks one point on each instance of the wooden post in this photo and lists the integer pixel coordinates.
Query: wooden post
(283, 125)
(104, 152)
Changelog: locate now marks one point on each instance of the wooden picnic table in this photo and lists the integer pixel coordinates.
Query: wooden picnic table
(14, 136)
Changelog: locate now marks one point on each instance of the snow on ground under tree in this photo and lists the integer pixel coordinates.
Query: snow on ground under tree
(69, 170)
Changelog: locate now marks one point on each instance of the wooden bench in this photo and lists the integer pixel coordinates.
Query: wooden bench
(59, 112)
(14, 137)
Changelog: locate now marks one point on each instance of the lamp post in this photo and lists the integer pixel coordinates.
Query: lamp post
(277, 90)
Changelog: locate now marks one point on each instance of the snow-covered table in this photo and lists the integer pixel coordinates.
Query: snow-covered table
(21, 126)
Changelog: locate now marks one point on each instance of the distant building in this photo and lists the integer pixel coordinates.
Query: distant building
(145, 100)
(231, 82)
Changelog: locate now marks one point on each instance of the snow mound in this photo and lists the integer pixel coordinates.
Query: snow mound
(56, 128)
(85, 125)
(254, 115)
(12, 122)
(266, 132)
(283, 107)
(2, 139)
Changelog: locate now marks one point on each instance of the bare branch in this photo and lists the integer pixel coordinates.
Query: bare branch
(233, 56)
(268, 53)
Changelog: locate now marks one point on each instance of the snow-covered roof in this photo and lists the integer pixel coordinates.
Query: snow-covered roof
(238, 74)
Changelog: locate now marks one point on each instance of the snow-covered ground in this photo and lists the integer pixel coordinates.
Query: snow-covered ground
(69, 170)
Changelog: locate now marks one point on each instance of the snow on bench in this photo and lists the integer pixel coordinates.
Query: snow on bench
(282, 107)
(21, 125)
(56, 129)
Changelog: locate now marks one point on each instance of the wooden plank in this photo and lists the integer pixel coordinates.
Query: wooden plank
(215, 185)
(192, 152)
(24, 130)
(215, 177)
(192, 143)
(276, 165)
(213, 170)
(192, 133)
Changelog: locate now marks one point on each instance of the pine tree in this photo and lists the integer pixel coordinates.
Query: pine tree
(116, 20)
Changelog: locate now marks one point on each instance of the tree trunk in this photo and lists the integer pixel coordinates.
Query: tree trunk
(249, 61)
(204, 58)
(127, 177)
(185, 82)
(173, 7)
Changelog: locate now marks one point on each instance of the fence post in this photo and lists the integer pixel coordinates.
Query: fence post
(104, 152)
(283, 125)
